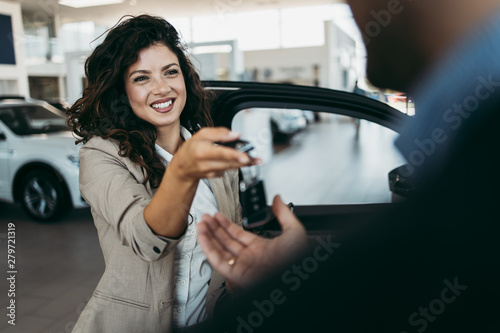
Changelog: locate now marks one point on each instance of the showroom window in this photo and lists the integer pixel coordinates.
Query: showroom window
(259, 30)
(266, 29)
(304, 26)
(81, 36)
(254, 30)
(183, 27)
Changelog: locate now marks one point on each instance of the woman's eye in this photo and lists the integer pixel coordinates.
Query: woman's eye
(140, 78)
(172, 72)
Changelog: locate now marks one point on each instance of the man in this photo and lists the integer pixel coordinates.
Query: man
(432, 264)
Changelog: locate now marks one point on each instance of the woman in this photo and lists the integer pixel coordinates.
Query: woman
(143, 170)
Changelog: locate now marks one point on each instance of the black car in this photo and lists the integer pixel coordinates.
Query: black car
(331, 175)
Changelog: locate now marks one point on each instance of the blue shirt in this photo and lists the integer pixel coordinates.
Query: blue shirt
(447, 97)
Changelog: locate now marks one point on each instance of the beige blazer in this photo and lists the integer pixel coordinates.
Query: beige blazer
(136, 291)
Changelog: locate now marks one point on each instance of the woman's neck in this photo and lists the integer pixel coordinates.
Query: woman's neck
(169, 138)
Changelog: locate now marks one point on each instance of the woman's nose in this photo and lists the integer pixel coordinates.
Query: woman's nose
(161, 86)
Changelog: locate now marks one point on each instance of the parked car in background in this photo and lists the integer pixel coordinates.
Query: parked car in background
(309, 115)
(285, 123)
(59, 103)
(39, 160)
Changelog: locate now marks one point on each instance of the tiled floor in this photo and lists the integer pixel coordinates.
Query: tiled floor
(59, 264)
(327, 162)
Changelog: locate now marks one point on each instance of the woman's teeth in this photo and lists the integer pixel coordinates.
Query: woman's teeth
(162, 105)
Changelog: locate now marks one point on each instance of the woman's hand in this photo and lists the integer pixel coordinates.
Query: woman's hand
(197, 158)
(200, 158)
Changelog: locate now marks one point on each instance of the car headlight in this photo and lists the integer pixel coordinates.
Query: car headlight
(75, 160)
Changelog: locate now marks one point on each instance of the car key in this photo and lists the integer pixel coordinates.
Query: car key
(254, 206)
(255, 212)
(240, 145)
(253, 200)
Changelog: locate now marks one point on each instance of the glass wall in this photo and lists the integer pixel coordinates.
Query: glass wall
(265, 29)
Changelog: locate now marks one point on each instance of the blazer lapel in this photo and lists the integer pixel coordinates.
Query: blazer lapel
(217, 186)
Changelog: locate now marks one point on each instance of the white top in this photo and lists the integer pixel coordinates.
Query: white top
(192, 270)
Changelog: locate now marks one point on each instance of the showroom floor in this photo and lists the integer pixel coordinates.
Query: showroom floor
(59, 264)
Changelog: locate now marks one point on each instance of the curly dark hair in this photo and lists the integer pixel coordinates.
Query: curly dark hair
(104, 109)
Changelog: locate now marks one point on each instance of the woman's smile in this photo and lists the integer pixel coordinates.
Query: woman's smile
(155, 87)
(163, 105)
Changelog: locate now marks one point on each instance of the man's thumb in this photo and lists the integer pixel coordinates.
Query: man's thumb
(284, 214)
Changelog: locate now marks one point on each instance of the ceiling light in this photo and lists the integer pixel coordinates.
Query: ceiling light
(88, 3)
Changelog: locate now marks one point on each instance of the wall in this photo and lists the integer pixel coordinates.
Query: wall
(337, 61)
(13, 78)
(75, 69)
(290, 64)
(342, 58)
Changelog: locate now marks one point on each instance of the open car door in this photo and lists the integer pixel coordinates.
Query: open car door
(333, 165)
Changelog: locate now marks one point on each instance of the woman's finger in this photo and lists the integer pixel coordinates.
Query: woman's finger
(210, 151)
(208, 169)
(215, 134)
(203, 151)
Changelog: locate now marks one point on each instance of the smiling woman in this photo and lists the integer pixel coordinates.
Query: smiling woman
(148, 80)
(144, 121)
(104, 109)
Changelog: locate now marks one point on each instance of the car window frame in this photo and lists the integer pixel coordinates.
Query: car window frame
(232, 97)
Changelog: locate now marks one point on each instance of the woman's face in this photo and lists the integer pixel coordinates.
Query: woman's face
(155, 87)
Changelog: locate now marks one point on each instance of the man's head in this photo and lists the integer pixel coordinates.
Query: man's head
(404, 37)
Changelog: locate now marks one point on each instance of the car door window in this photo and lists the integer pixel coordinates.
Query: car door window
(41, 120)
(313, 158)
(13, 120)
(32, 119)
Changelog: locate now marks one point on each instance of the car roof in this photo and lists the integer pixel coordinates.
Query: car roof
(9, 100)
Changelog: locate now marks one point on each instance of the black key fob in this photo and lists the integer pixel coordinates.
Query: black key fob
(241, 145)
(253, 201)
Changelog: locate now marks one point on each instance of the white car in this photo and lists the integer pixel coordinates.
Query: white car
(285, 123)
(39, 161)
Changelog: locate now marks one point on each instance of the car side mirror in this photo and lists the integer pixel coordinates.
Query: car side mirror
(2, 137)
